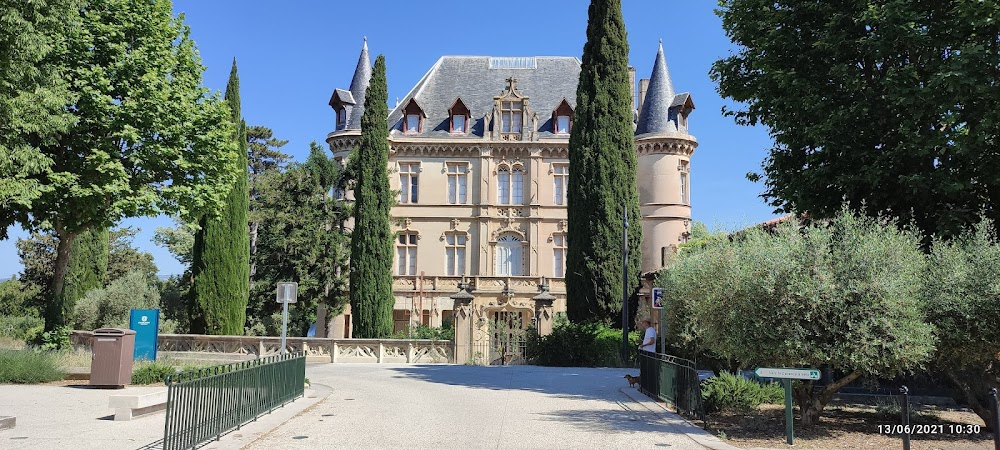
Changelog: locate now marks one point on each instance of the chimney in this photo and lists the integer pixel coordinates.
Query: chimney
(631, 85)
(643, 86)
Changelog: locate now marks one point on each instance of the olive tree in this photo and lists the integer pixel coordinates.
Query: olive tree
(843, 294)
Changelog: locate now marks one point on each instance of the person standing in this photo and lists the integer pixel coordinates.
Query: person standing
(649, 339)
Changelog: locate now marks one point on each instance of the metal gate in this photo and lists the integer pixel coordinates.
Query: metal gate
(508, 339)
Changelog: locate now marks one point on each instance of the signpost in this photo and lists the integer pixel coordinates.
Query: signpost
(786, 376)
(287, 293)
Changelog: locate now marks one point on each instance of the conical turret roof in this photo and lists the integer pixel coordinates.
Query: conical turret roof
(655, 114)
(359, 84)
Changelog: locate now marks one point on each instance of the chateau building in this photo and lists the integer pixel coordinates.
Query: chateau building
(479, 154)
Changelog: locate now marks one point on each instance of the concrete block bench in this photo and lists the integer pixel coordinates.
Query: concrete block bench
(7, 422)
(128, 407)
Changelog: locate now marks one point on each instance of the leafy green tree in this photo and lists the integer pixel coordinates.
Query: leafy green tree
(16, 299)
(843, 295)
(220, 267)
(146, 140)
(300, 240)
(33, 95)
(265, 160)
(891, 105)
(962, 300)
(88, 266)
(602, 178)
(124, 258)
(372, 238)
(178, 240)
(110, 306)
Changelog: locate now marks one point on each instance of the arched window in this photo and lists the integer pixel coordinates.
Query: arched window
(509, 260)
(510, 185)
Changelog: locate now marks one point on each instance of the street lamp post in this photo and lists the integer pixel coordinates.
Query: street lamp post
(625, 283)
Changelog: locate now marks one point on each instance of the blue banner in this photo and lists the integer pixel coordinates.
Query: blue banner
(146, 323)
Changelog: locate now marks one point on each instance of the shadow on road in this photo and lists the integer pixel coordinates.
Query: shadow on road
(567, 382)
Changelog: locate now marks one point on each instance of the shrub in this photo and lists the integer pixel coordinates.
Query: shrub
(17, 298)
(445, 333)
(110, 307)
(729, 392)
(579, 345)
(151, 372)
(28, 367)
(21, 327)
(57, 339)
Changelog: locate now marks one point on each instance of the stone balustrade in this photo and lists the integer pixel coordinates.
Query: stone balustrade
(412, 351)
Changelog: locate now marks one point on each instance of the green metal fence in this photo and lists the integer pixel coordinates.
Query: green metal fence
(203, 404)
(673, 380)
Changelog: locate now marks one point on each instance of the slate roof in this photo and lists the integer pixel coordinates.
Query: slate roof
(470, 78)
(655, 114)
(354, 99)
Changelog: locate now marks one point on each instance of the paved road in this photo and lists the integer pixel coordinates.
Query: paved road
(468, 407)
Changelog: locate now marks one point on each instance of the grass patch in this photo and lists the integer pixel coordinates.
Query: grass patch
(28, 367)
(151, 372)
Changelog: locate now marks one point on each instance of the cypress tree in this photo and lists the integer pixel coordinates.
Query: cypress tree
(221, 266)
(88, 266)
(372, 238)
(602, 176)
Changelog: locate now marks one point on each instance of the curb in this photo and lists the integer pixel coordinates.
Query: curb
(689, 429)
(250, 432)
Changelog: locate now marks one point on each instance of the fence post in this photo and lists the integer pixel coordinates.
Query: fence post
(904, 411)
(994, 418)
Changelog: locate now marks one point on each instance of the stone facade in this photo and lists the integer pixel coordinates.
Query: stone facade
(479, 155)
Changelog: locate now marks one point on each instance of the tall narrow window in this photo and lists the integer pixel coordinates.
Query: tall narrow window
(508, 256)
(685, 185)
(510, 185)
(517, 186)
(408, 178)
(503, 186)
(455, 254)
(406, 254)
(510, 117)
(560, 177)
(559, 255)
(341, 118)
(458, 183)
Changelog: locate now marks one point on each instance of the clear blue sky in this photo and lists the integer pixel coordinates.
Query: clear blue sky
(292, 55)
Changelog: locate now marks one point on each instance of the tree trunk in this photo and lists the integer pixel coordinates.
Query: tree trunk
(55, 310)
(811, 408)
(971, 398)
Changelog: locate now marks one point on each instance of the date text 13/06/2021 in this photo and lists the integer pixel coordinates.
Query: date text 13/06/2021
(950, 428)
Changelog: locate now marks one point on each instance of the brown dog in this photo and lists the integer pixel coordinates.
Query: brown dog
(632, 381)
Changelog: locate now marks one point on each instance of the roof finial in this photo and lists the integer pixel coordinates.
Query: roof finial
(366, 39)
(661, 41)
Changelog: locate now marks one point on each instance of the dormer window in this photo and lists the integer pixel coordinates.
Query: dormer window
(562, 118)
(413, 117)
(341, 101)
(459, 117)
(562, 124)
(510, 117)
(412, 124)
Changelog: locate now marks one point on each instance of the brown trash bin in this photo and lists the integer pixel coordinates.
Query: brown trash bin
(111, 363)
